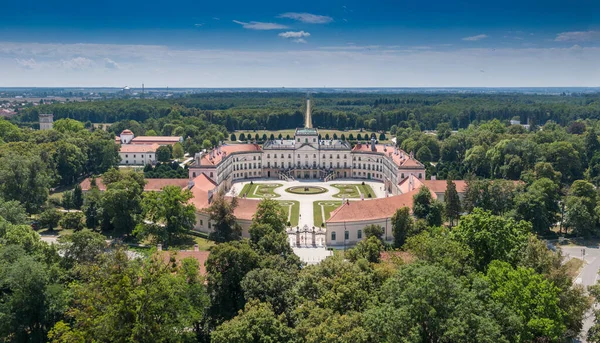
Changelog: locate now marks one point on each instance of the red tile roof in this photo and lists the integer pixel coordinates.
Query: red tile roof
(401, 159)
(439, 186)
(155, 139)
(371, 209)
(203, 185)
(127, 132)
(227, 150)
(132, 148)
(246, 208)
(151, 184)
(200, 256)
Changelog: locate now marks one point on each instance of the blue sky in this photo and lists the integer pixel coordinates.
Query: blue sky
(297, 44)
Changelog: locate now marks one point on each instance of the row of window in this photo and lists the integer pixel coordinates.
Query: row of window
(246, 166)
(237, 159)
(367, 167)
(306, 156)
(346, 235)
(298, 164)
(248, 174)
(142, 156)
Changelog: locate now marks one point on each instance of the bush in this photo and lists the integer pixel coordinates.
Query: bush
(363, 183)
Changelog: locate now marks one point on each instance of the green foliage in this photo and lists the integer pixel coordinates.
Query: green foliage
(67, 125)
(496, 196)
(24, 179)
(369, 249)
(166, 170)
(83, 246)
(121, 202)
(374, 230)
(425, 207)
(492, 237)
(257, 323)
(13, 212)
(178, 150)
(50, 218)
(72, 221)
(163, 154)
(92, 208)
(77, 197)
(224, 224)
(168, 215)
(402, 226)
(452, 208)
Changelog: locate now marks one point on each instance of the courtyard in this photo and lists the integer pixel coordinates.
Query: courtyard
(311, 205)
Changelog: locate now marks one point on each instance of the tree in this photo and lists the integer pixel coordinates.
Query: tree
(271, 286)
(168, 214)
(425, 207)
(13, 212)
(69, 160)
(233, 138)
(72, 221)
(121, 202)
(403, 314)
(163, 154)
(257, 323)
(136, 301)
(92, 208)
(369, 249)
(24, 179)
(227, 264)
(424, 154)
(224, 224)
(374, 230)
(83, 246)
(77, 197)
(491, 195)
(436, 246)
(402, 226)
(67, 200)
(452, 207)
(32, 299)
(492, 237)
(67, 125)
(591, 144)
(50, 218)
(177, 150)
(533, 298)
(539, 205)
(270, 212)
(382, 136)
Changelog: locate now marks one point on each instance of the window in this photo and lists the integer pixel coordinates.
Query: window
(305, 140)
(268, 155)
(298, 155)
(314, 140)
(142, 156)
(281, 155)
(306, 156)
(209, 225)
(289, 155)
(201, 222)
(211, 174)
(126, 155)
(314, 155)
(402, 176)
(346, 235)
(419, 175)
(330, 156)
(298, 140)
(359, 234)
(133, 156)
(323, 155)
(194, 174)
(333, 235)
(344, 156)
(254, 158)
(338, 156)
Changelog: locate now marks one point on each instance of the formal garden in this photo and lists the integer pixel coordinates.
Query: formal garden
(322, 210)
(306, 190)
(353, 190)
(260, 190)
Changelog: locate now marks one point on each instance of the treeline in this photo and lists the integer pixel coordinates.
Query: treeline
(274, 111)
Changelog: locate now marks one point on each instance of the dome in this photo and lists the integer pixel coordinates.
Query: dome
(126, 132)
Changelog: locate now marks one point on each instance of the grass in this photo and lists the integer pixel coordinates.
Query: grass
(352, 190)
(328, 207)
(306, 190)
(295, 210)
(260, 190)
(573, 267)
(322, 132)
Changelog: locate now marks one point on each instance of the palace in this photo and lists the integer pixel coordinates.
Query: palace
(307, 157)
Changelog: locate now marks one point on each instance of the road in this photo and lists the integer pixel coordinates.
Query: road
(587, 277)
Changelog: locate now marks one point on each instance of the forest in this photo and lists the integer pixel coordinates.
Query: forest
(471, 270)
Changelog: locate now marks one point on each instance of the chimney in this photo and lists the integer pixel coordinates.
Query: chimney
(159, 247)
(196, 247)
(433, 177)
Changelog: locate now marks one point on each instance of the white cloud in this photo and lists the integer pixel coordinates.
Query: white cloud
(110, 64)
(307, 17)
(256, 25)
(26, 63)
(300, 40)
(199, 25)
(78, 63)
(476, 38)
(364, 66)
(296, 34)
(578, 36)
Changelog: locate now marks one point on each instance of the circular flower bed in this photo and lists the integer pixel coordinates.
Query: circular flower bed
(306, 190)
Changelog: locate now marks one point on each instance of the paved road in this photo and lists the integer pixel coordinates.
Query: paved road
(587, 277)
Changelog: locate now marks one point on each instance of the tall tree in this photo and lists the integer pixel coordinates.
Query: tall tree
(77, 197)
(25, 179)
(425, 207)
(402, 225)
(167, 213)
(452, 206)
(92, 208)
(224, 224)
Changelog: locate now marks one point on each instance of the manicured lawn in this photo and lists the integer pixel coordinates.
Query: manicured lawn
(285, 204)
(306, 190)
(260, 190)
(352, 190)
(326, 206)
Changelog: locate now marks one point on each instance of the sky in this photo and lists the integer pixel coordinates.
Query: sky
(327, 43)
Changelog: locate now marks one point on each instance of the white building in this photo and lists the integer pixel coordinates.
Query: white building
(46, 121)
(141, 150)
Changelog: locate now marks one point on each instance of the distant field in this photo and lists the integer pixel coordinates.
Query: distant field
(323, 133)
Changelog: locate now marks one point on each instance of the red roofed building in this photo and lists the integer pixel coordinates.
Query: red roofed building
(141, 150)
